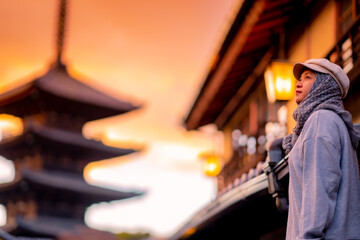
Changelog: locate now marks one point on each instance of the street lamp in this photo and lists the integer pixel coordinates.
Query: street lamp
(279, 81)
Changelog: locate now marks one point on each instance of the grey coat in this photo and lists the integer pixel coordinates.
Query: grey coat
(324, 186)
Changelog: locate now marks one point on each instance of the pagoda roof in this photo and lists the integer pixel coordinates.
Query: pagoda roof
(74, 184)
(54, 228)
(46, 226)
(61, 140)
(62, 185)
(58, 91)
(7, 236)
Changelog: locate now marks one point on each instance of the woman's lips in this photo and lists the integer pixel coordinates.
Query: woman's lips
(298, 91)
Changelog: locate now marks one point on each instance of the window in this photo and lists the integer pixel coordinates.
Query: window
(348, 12)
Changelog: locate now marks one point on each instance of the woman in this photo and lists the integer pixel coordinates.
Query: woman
(324, 186)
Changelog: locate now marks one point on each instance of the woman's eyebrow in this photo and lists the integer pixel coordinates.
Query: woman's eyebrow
(307, 73)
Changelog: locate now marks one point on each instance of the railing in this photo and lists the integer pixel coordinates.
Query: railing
(346, 51)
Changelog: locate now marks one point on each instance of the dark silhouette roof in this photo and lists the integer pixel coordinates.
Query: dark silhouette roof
(74, 184)
(53, 228)
(61, 185)
(7, 236)
(58, 91)
(47, 226)
(53, 140)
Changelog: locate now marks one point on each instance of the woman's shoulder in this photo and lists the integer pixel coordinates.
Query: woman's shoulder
(325, 115)
(324, 123)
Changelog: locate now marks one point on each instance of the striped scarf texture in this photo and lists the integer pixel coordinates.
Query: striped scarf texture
(324, 94)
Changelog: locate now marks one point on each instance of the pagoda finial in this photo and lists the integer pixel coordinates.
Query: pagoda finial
(61, 30)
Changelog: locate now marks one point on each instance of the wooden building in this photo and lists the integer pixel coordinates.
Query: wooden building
(234, 98)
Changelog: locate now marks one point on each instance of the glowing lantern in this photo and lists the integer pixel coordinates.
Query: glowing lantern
(279, 81)
(10, 126)
(212, 166)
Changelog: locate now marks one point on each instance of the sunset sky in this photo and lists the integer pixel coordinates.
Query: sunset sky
(152, 53)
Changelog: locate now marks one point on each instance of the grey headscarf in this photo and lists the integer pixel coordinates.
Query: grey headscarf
(324, 94)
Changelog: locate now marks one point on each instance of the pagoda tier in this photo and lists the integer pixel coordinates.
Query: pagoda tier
(61, 100)
(53, 148)
(6, 236)
(53, 194)
(44, 226)
(54, 228)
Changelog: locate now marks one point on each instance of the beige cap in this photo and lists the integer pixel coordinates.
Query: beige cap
(325, 66)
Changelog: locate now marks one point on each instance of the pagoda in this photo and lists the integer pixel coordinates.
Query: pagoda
(49, 196)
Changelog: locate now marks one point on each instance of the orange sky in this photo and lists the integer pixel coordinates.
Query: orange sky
(155, 53)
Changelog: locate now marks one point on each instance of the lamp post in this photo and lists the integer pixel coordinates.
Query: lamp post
(279, 81)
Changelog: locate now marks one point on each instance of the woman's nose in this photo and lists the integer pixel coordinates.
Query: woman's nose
(298, 84)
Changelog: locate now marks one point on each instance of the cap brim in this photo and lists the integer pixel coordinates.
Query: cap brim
(299, 68)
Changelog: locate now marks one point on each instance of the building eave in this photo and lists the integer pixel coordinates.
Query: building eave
(254, 35)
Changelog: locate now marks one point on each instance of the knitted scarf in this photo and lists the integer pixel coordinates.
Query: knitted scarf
(324, 94)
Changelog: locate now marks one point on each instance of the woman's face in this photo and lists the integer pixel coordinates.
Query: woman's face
(304, 85)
